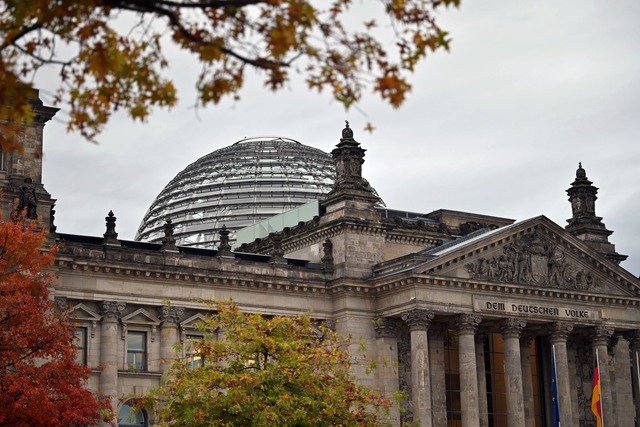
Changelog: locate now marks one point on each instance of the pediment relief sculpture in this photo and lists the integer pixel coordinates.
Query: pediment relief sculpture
(534, 260)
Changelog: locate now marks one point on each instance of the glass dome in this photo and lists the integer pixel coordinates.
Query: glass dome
(237, 186)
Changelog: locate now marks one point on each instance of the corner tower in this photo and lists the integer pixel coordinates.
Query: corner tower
(584, 224)
(349, 207)
(21, 172)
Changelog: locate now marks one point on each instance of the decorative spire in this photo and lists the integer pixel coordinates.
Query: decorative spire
(168, 241)
(349, 157)
(225, 248)
(110, 236)
(584, 224)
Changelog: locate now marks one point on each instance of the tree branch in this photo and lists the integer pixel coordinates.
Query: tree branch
(143, 6)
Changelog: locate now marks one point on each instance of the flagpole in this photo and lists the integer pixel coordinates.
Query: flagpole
(555, 370)
(600, 385)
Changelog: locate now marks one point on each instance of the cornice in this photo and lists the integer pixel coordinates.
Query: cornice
(226, 278)
(390, 286)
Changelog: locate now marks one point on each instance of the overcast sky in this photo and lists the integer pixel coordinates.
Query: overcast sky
(497, 126)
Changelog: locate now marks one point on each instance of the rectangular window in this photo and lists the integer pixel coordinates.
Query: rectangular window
(192, 352)
(137, 351)
(81, 346)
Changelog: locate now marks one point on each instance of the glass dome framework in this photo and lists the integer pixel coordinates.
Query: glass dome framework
(237, 186)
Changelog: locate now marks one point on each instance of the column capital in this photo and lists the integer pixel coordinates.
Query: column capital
(512, 327)
(61, 303)
(601, 334)
(111, 310)
(385, 327)
(418, 319)
(170, 315)
(467, 323)
(634, 339)
(559, 332)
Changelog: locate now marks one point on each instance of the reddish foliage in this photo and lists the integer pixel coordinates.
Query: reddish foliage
(40, 382)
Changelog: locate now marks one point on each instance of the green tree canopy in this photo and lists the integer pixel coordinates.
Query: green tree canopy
(109, 53)
(259, 371)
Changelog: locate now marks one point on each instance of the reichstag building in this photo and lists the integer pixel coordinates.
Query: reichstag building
(466, 308)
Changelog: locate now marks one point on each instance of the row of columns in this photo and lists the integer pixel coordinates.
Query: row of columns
(518, 375)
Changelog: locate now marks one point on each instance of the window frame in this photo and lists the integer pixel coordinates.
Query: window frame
(190, 355)
(144, 366)
(84, 355)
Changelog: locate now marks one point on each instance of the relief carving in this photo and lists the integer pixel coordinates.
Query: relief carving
(533, 260)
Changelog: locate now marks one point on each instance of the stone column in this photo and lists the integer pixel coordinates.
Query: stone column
(511, 329)
(481, 369)
(600, 336)
(527, 385)
(169, 318)
(634, 344)
(110, 311)
(418, 321)
(387, 353)
(466, 324)
(558, 335)
(438, 379)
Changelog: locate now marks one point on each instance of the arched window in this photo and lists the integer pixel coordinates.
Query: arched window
(128, 417)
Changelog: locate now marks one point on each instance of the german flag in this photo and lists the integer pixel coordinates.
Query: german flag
(596, 400)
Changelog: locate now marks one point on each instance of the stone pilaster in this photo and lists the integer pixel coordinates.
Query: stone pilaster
(600, 337)
(110, 311)
(466, 325)
(527, 385)
(169, 317)
(634, 345)
(387, 352)
(481, 370)
(418, 321)
(511, 329)
(558, 335)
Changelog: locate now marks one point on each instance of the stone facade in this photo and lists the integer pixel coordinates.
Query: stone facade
(462, 311)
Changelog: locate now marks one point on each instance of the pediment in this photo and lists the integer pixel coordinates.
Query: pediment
(533, 253)
(141, 317)
(81, 312)
(194, 321)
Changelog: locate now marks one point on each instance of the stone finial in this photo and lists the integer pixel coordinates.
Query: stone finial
(467, 323)
(418, 319)
(170, 315)
(512, 327)
(168, 241)
(110, 236)
(347, 132)
(559, 332)
(225, 248)
(277, 253)
(327, 251)
(111, 310)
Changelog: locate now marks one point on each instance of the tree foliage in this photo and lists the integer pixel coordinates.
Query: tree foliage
(280, 371)
(40, 382)
(109, 53)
